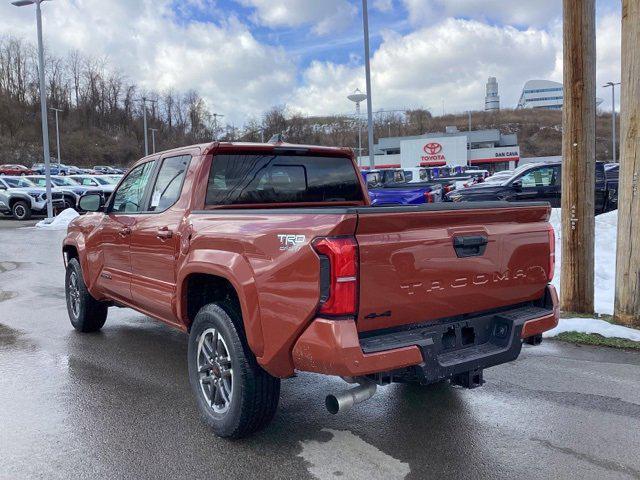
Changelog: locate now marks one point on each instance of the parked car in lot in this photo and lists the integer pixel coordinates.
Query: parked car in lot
(273, 261)
(104, 183)
(105, 170)
(612, 173)
(54, 169)
(534, 183)
(22, 198)
(389, 187)
(14, 169)
(70, 189)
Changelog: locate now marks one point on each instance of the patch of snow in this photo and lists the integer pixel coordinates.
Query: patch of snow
(60, 222)
(606, 237)
(348, 456)
(592, 325)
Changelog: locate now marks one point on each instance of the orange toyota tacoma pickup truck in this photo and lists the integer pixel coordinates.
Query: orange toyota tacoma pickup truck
(272, 260)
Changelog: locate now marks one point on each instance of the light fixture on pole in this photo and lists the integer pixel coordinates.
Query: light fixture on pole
(153, 138)
(43, 102)
(358, 97)
(216, 116)
(367, 65)
(57, 110)
(613, 117)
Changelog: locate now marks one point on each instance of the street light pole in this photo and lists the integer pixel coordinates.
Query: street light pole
(57, 133)
(613, 117)
(153, 138)
(43, 102)
(367, 64)
(144, 115)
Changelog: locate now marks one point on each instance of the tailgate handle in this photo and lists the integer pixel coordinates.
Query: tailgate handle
(473, 246)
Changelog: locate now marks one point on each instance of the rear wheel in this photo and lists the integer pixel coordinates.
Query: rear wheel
(21, 211)
(85, 312)
(235, 396)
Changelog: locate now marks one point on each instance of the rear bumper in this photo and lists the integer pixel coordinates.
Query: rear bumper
(429, 352)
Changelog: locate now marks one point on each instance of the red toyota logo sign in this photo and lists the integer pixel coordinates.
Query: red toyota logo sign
(432, 148)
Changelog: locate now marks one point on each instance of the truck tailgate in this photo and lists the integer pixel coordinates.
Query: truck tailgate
(419, 264)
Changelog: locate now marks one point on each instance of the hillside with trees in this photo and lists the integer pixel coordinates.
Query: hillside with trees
(101, 118)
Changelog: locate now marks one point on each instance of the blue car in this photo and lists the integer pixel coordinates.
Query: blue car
(389, 187)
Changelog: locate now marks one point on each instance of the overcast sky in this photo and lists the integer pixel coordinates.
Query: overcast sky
(244, 56)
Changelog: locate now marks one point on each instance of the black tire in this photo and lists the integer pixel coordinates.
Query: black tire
(21, 210)
(68, 203)
(89, 315)
(254, 393)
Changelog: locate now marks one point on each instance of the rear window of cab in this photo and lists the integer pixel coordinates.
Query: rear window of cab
(256, 178)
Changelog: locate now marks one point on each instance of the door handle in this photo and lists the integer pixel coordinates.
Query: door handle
(124, 232)
(472, 246)
(164, 233)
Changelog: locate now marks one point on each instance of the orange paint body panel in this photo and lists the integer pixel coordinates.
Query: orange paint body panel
(332, 347)
(409, 269)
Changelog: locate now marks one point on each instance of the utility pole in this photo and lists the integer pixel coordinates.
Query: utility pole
(578, 150)
(153, 138)
(367, 64)
(614, 139)
(627, 304)
(57, 110)
(469, 113)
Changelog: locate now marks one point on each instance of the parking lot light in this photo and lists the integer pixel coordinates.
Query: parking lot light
(43, 101)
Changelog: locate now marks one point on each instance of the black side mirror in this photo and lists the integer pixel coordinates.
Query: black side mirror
(91, 202)
(517, 184)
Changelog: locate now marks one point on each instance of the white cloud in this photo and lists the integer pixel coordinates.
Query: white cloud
(609, 46)
(451, 60)
(383, 5)
(225, 63)
(326, 16)
(527, 12)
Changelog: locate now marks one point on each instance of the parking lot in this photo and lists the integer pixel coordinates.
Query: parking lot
(118, 404)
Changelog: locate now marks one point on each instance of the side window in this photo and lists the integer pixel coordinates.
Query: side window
(128, 197)
(540, 177)
(168, 185)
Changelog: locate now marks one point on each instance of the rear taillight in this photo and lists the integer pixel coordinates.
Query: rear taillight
(552, 253)
(339, 275)
(428, 197)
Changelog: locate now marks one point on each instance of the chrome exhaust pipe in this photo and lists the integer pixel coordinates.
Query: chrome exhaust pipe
(343, 401)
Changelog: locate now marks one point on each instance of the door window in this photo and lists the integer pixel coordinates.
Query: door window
(129, 196)
(168, 185)
(540, 177)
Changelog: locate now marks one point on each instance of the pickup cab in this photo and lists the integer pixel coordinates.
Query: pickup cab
(273, 261)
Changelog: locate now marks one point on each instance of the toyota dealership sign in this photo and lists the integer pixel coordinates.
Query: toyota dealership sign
(434, 152)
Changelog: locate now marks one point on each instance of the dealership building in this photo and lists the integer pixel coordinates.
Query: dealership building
(486, 149)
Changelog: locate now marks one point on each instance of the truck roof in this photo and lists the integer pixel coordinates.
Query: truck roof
(206, 148)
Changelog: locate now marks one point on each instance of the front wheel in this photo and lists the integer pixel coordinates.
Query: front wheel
(21, 211)
(85, 312)
(68, 203)
(235, 396)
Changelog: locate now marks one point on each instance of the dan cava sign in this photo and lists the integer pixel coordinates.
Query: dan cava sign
(434, 152)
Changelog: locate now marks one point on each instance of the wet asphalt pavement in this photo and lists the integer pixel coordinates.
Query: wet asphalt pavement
(118, 405)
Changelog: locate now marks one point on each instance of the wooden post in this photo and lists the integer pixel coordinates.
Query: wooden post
(627, 306)
(578, 150)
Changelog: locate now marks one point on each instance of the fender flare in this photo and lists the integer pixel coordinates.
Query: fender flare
(235, 269)
(76, 241)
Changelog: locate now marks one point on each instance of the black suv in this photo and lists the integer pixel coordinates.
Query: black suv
(534, 183)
